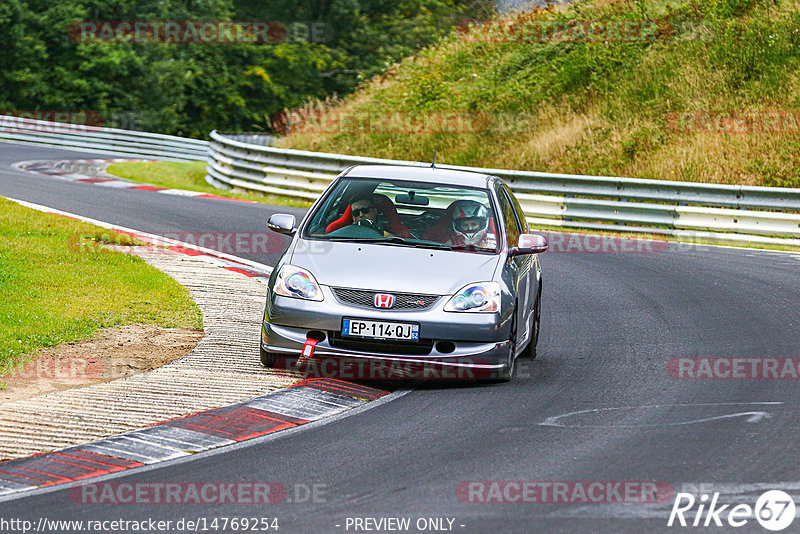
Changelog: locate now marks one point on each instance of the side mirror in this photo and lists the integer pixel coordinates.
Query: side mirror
(283, 223)
(529, 244)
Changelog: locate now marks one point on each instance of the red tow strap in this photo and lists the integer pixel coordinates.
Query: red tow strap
(308, 348)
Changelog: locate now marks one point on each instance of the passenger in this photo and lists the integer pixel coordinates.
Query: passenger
(471, 225)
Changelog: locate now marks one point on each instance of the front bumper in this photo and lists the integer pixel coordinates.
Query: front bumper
(452, 345)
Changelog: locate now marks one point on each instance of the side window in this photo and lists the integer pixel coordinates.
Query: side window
(523, 223)
(509, 219)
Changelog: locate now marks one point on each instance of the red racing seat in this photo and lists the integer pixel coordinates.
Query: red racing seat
(385, 206)
(443, 229)
(345, 220)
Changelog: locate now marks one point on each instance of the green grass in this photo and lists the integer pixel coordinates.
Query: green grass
(189, 176)
(58, 284)
(600, 107)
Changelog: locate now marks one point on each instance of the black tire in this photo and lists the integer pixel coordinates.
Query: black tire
(268, 358)
(530, 349)
(507, 373)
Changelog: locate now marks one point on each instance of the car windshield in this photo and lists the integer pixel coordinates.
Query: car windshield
(399, 213)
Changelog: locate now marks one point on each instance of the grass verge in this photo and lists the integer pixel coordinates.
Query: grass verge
(189, 176)
(58, 285)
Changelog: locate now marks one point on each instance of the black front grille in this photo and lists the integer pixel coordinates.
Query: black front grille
(402, 301)
(423, 346)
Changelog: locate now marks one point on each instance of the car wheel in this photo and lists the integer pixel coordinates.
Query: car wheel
(507, 373)
(530, 350)
(268, 358)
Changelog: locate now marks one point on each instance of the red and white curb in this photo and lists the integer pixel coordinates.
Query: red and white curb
(307, 401)
(93, 172)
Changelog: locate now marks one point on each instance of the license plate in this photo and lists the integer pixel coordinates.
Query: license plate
(380, 329)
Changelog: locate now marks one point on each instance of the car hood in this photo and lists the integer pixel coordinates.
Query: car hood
(392, 268)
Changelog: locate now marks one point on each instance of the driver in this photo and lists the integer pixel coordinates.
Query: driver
(366, 214)
(471, 225)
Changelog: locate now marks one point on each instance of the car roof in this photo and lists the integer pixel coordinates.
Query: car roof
(419, 174)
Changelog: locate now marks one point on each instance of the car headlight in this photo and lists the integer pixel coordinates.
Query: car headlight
(480, 297)
(298, 283)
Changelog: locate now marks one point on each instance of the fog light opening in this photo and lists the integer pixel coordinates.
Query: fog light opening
(316, 335)
(445, 347)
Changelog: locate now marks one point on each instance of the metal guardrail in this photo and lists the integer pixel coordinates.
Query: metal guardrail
(249, 138)
(245, 161)
(102, 140)
(712, 211)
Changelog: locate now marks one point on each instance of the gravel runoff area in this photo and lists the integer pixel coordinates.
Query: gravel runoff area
(224, 368)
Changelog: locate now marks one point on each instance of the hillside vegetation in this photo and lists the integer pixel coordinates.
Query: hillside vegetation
(698, 90)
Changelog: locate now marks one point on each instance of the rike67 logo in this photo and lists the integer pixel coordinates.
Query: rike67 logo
(774, 510)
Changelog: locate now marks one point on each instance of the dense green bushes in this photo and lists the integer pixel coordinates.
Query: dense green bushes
(192, 88)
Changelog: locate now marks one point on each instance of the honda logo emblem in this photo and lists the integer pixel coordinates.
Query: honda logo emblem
(383, 300)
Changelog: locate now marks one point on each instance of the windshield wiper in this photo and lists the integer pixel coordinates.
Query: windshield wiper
(436, 246)
(394, 240)
(363, 239)
(471, 248)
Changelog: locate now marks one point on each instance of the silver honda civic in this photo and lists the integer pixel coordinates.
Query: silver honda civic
(406, 272)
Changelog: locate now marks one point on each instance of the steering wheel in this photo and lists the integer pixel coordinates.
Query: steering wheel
(356, 230)
(366, 223)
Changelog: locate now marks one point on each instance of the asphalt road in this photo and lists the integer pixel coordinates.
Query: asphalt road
(147, 211)
(611, 322)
